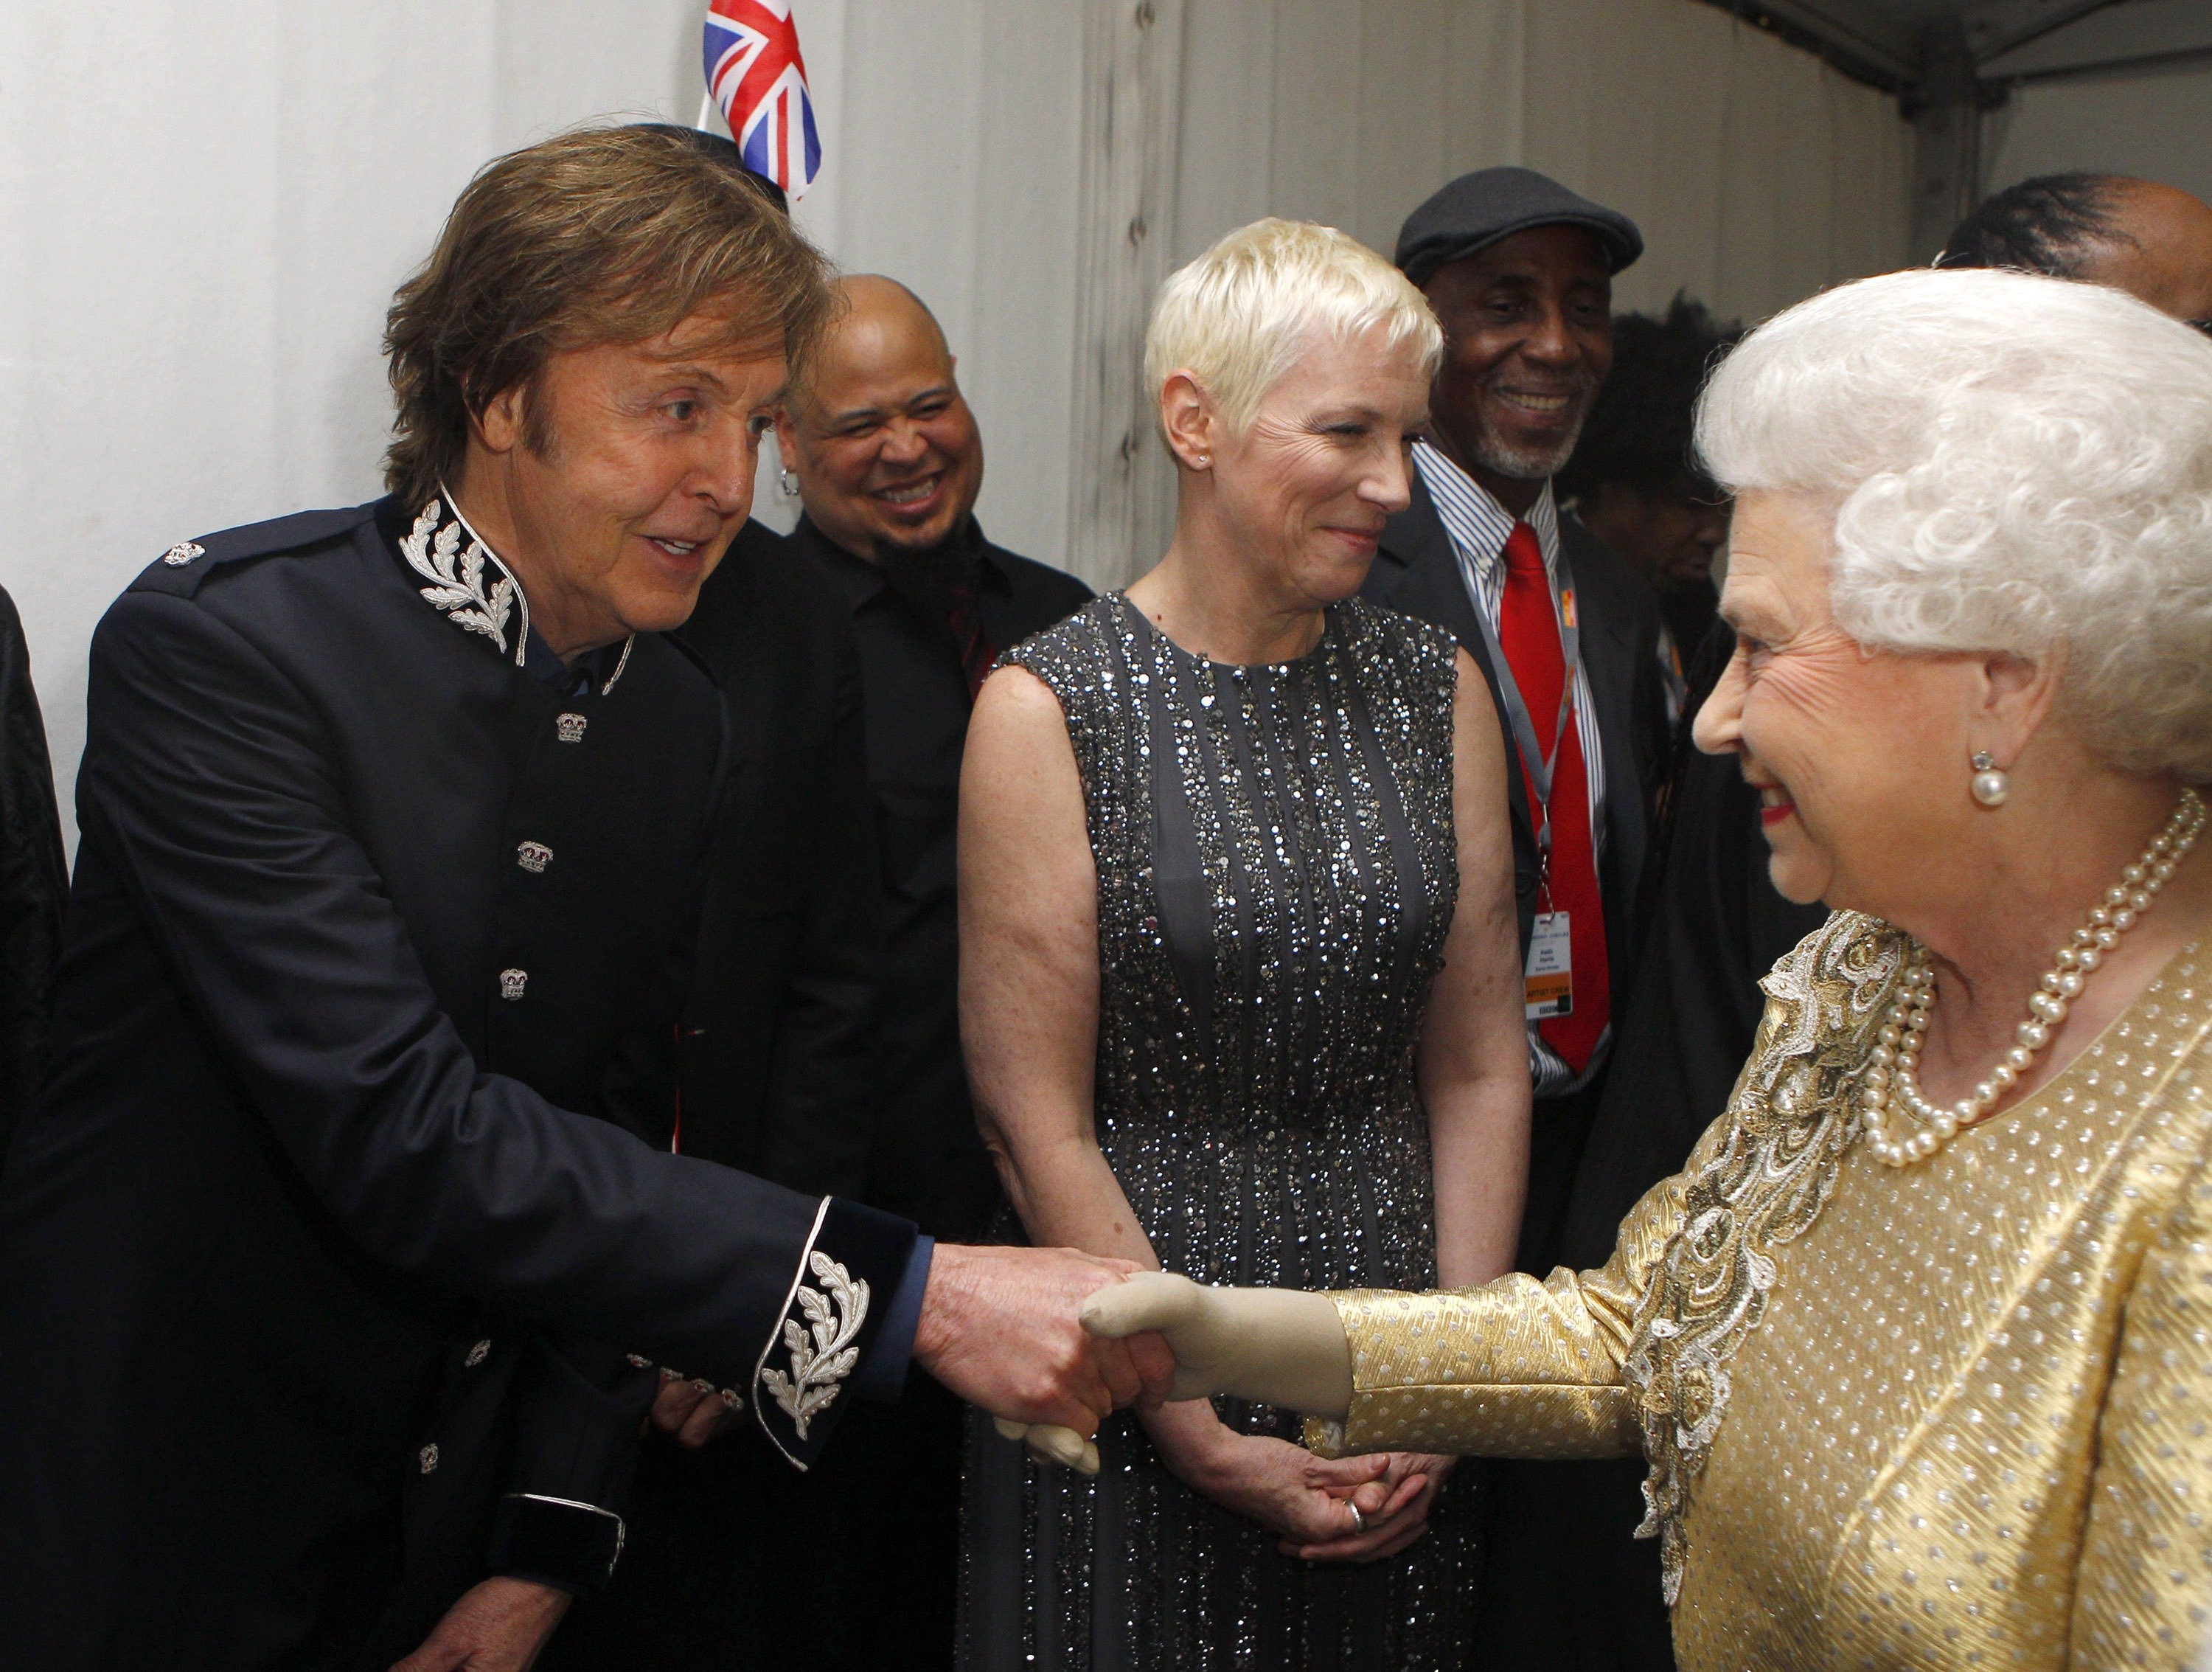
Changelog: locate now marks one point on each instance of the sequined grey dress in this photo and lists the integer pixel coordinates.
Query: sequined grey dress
(1276, 874)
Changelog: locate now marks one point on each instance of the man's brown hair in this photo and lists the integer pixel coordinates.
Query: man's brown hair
(603, 235)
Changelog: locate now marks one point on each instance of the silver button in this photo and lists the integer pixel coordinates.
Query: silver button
(569, 728)
(477, 1354)
(512, 982)
(428, 1458)
(533, 857)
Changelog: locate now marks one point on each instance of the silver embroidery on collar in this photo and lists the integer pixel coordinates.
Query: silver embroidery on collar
(621, 662)
(457, 576)
(819, 1364)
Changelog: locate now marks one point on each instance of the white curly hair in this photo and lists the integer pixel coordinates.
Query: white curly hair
(2015, 463)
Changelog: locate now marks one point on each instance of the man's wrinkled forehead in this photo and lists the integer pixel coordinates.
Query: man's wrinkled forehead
(725, 329)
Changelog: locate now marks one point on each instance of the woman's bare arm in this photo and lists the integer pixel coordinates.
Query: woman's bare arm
(1029, 970)
(1473, 1060)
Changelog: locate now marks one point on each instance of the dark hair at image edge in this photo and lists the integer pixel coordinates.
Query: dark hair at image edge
(1639, 433)
(610, 234)
(2053, 224)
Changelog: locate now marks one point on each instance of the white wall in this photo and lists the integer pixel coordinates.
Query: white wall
(2153, 123)
(205, 205)
(205, 208)
(949, 136)
(1757, 173)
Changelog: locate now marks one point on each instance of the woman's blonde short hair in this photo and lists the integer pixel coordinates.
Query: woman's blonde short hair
(2015, 463)
(1236, 317)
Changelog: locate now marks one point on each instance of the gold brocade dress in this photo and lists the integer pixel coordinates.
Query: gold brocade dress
(1955, 1415)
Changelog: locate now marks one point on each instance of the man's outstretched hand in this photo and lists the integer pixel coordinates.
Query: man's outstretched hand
(999, 1326)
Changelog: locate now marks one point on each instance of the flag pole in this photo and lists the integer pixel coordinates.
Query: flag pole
(706, 112)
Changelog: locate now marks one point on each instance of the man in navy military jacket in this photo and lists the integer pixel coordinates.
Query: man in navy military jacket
(335, 1275)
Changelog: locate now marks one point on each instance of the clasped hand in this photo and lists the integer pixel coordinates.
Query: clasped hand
(1278, 1348)
(1000, 1327)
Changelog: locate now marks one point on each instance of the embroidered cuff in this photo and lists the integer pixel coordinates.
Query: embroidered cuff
(555, 1541)
(832, 1316)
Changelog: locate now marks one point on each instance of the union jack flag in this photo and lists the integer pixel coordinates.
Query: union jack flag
(754, 72)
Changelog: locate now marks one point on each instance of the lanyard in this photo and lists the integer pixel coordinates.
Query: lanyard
(1539, 766)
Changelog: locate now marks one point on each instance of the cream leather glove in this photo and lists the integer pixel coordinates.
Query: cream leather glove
(1276, 1346)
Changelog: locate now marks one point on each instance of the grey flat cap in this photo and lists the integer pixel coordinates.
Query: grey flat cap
(1477, 209)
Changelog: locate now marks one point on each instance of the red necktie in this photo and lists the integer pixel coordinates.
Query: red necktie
(1529, 633)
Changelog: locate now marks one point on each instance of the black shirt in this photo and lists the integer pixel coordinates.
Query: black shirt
(927, 1157)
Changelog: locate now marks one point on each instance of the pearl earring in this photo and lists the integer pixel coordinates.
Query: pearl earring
(788, 483)
(1991, 787)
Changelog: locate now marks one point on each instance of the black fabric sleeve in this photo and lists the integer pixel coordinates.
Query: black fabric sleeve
(33, 879)
(1654, 739)
(579, 1406)
(208, 785)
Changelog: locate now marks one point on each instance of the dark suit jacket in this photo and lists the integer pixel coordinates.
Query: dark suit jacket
(376, 947)
(781, 1074)
(33, 879)
(929, 1164)
(1416, 572)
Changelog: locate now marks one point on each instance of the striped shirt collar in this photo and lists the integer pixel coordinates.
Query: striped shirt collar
(1479, 525)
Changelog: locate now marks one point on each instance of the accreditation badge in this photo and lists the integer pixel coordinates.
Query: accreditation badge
(1548, 983)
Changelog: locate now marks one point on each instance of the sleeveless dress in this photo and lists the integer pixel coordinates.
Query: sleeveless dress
(1276, 873)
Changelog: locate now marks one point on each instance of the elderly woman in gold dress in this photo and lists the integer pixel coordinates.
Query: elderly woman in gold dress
(1919, 1344)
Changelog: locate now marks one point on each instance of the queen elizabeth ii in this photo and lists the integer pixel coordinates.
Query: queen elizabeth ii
(1918, 1345)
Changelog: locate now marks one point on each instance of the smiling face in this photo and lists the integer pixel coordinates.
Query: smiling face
(884, 445)
(613, 485)
(1528, 342)
(1305, 490)
(1859, 756)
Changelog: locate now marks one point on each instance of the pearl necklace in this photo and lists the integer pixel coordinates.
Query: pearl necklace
(1890, 1078)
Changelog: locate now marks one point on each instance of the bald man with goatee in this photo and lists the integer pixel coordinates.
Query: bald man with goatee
(735, 1562)
(888, 465)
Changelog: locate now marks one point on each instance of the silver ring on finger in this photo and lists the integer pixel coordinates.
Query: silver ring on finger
(1358, 1521)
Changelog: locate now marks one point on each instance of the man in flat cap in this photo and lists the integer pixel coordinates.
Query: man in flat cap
(344, 1240)
(1519, 270)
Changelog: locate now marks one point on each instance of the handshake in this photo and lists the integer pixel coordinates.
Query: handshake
(1001, 1327)
(1051, 1340)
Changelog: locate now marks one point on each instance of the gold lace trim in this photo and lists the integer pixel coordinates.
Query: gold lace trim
(1792, 1118)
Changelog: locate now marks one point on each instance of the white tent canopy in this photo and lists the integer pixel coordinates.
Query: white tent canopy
(206, 207)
